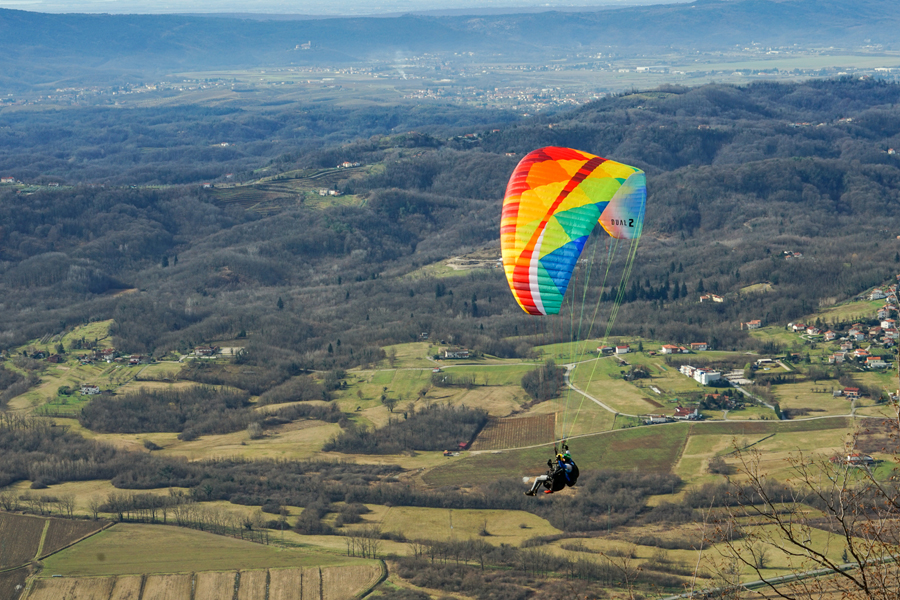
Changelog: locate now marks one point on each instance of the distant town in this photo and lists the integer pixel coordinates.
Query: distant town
(466, 78)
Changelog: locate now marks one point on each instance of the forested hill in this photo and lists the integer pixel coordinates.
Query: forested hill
(737, 176)
(42, 47)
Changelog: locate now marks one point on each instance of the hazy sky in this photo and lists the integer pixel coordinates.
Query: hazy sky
(309, 7)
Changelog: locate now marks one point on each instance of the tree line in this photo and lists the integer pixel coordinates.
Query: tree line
(434, 427)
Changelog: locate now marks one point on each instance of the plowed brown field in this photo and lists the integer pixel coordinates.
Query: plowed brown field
(516, 432)
(21, 537)
(12, 583)
(63, 532)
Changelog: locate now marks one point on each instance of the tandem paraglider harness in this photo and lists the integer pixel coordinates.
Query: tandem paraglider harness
(562, 474)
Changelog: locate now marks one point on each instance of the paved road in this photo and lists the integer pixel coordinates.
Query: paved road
(760, 400)
(574, 387)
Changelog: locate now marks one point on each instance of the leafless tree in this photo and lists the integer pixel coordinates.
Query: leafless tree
(66, 504)
(365, 542)
(626, 567)
(8, 501)
(858, 509)
(94, 505)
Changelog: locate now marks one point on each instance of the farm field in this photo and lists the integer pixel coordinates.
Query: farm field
(616, 393)
(94, 588)
(812, 399)
(299, 440)
(144, 549)
(578, 415)
(12, 583)
(62, 532)
(127, 587)
(650, 449)
(253, 585)
(504, 526)
(214, 585)
(82, 491)
(516, 432)
(657, 448)
(21, 537)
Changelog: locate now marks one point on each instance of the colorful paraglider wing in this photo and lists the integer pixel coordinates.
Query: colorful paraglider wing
(553, 200)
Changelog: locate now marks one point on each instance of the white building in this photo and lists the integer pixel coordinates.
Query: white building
(705, 376)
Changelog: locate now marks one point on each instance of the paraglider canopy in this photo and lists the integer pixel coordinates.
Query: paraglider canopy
(553, 201)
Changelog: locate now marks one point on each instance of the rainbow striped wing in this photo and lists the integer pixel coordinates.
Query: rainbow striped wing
(553, 200)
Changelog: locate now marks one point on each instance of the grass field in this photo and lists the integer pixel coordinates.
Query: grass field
(813, 397)
(649, 449)
(781, 336)
(680, 448)
(504, 526)
(97, 331)
(758, 288)
(143, 549)
(848, 311)
(602, 380)
(62, 532)
(501, 395)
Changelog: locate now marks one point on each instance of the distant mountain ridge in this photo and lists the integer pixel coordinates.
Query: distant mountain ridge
(42, 47)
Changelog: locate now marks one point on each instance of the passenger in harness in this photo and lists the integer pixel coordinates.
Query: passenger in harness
(559, 475)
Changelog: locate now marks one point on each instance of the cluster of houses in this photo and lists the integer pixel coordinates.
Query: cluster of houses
(107, 355)
(665, 349)
(327, 192)
(694, 347)
(701, 375)
(886, 335)
(348, 165)
(681, 414)
(711, 298)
